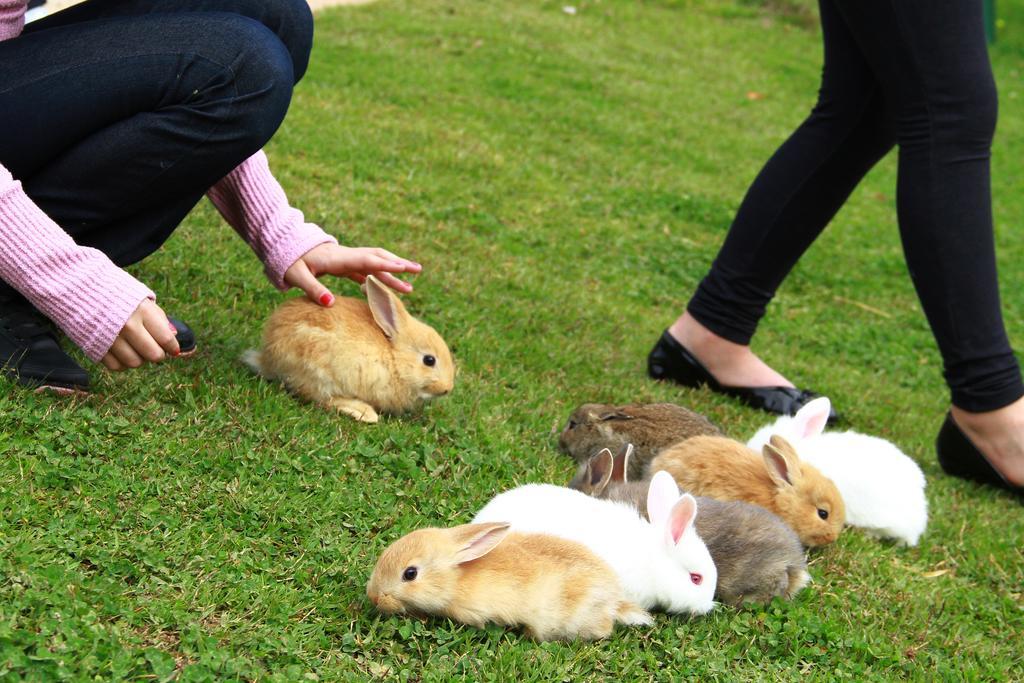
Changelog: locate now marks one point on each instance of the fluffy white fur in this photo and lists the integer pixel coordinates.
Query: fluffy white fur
(882, 487)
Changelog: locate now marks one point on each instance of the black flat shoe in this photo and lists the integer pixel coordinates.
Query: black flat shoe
(30, 354)
(961, 458)
(186, 338)
(669, 360)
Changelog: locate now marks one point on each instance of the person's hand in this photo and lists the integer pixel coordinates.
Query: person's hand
(355, 263)
(147, 337)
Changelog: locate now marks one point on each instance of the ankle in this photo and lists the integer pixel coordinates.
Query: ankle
(999, 435)
(730, 363)
(702, 342)
(1007, 418)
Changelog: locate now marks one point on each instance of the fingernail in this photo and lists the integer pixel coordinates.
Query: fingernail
(326, 298)
(173, 328)
(176, 353)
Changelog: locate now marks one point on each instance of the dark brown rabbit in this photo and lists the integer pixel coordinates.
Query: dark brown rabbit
(648, 426)
(758, 556)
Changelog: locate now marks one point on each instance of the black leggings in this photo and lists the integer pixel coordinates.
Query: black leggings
(914, 73)
(118, 115)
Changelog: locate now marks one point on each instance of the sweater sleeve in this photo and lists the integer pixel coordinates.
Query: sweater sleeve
(253, 202)
(12, 18)
(78, 288)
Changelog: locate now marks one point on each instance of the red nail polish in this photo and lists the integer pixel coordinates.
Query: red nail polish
(173, 328)
(176, 353)
(326, 298)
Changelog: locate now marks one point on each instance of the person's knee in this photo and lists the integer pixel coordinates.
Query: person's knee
(292, 21)
(264, 79)
(962, 116)
(238, 81)
(973, 116)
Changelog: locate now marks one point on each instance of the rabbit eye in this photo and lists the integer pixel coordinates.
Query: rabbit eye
(410, 574)
(696, 578)
(572, 424)
(429, 361)
(823, 513)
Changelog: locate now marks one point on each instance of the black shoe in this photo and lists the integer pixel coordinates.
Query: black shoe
(961, 458)
(669, 360)
(186, 338)
(30, 354)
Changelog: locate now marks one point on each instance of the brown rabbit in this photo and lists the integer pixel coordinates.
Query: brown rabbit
(648, 426)
(358, 357)
(727, 470)
(757, 555)
(477, 573)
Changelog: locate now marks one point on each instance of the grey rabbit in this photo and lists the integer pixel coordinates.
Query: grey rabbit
(648, 426)
(757, 555)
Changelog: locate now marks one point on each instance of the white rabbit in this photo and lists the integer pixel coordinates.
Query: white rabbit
(661, 564)
(882, 487)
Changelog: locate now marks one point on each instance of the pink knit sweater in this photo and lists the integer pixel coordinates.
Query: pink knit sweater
(89, 297)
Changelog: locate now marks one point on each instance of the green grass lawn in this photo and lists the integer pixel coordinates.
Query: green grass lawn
(565, 180)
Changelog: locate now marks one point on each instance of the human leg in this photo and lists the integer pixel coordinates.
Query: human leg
(790, 202)
(290, 20)
(932, 60)
(117, 149)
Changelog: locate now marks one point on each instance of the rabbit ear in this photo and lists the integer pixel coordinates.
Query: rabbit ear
(782, 462)
(599, 470)
(681, 517)
(811, 419)
(621, 464)
(661, 496)
(387, 309)
(613, 415)
(477, 540)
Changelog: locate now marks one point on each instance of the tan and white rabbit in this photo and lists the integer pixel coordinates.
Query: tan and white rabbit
(757, 555)
(478, 573)
(777, 480)
(358, 357)
(648, 426)
(662, 563)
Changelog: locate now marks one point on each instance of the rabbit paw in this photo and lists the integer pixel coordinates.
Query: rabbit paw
(360, 410)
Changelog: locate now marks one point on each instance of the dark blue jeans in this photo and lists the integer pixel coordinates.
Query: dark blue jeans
(914, 73)
(118, 115)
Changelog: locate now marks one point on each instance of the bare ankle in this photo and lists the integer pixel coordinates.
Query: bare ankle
(999, 435)
(1007, 417)
(730, 363)
(701, 341)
